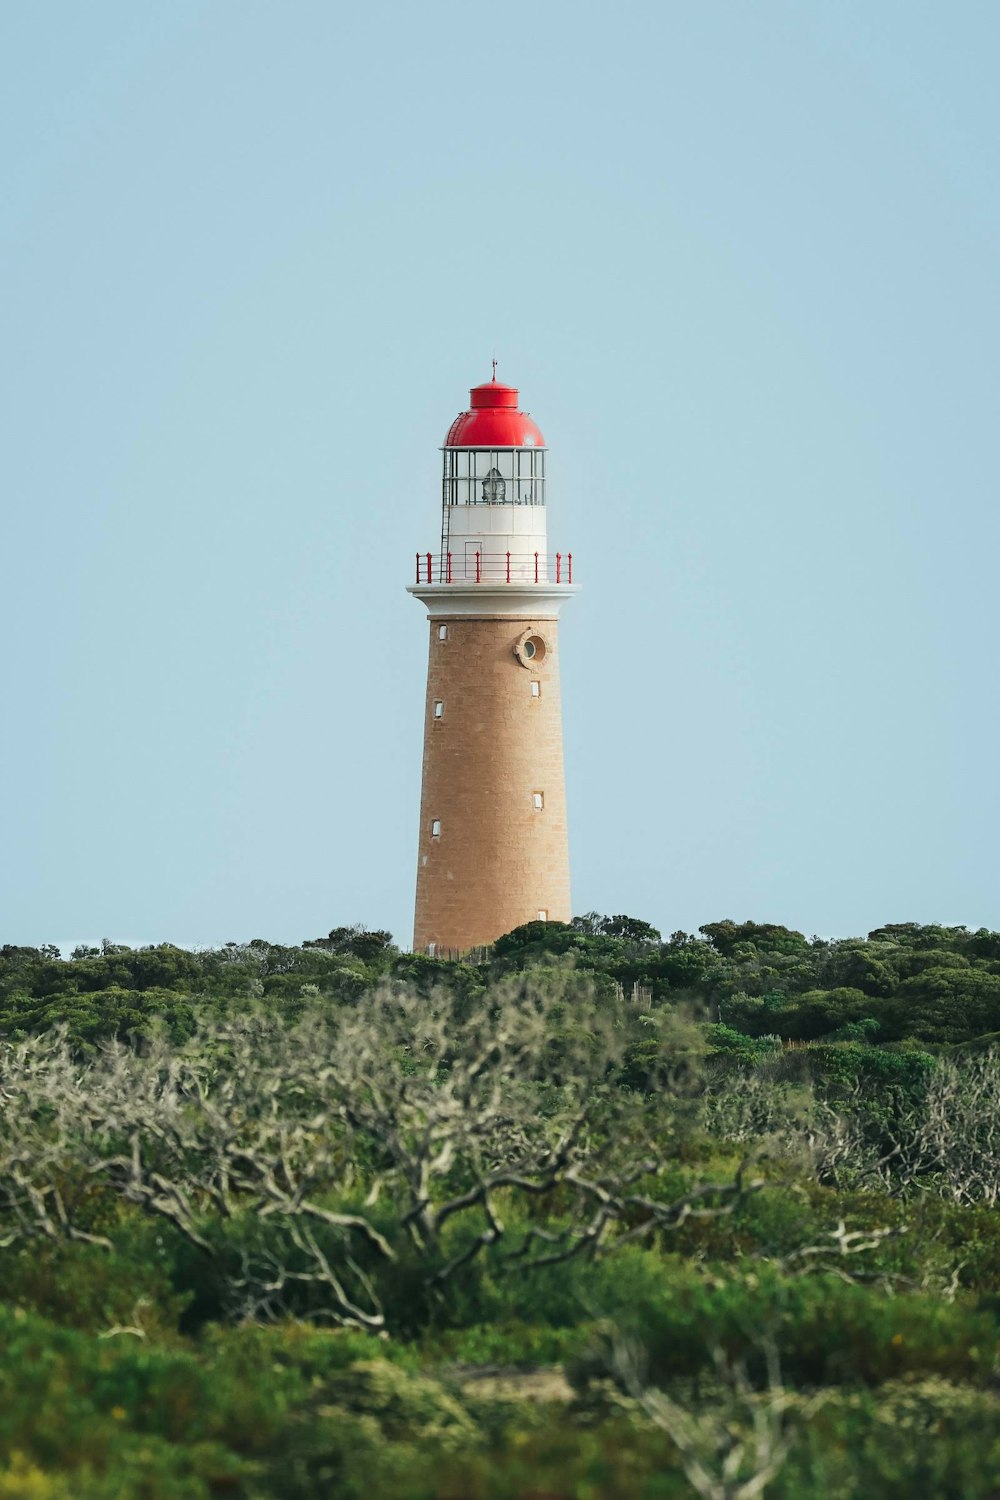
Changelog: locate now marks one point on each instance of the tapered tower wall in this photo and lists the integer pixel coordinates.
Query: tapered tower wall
(491, 750)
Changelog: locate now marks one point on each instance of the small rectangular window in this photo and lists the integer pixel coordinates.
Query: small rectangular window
(431, 949)
(539, 800)
(442, 632)
(438, 708)
(536, 689)
(543, 916)
(436, 828)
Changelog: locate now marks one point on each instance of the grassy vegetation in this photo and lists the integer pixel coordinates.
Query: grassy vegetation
(602, 1216)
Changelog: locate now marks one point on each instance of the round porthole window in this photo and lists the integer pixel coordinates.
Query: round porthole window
(530, 649)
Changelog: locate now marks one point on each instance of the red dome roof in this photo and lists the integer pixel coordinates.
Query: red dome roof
(494, 421)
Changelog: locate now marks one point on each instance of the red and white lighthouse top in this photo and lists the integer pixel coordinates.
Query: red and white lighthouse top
(494, 421)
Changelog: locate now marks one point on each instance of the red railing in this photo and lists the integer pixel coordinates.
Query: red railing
(495, 567)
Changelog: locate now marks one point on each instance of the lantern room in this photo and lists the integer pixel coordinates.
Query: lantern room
(493, 490)
(493, 476)
(494, 454)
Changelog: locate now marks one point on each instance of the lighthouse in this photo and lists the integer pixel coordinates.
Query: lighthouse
(493, 847)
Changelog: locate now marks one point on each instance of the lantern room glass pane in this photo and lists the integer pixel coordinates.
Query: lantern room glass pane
(493, 476)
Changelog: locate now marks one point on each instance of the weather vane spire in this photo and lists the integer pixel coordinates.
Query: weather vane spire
(494, 369)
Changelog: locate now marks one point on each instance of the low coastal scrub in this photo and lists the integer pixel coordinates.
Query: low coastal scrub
(597, 1215)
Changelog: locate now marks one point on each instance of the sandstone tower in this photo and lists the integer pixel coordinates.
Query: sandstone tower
(493, 847)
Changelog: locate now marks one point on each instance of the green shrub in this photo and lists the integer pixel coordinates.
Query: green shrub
(906, 1439)
(944, 1005)
(87, 1287)
(825, 1330)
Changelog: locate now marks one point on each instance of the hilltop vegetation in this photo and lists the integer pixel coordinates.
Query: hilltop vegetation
(602, 1215)
(903, 982)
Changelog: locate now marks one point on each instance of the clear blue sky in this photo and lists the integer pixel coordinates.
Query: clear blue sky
(742, 261)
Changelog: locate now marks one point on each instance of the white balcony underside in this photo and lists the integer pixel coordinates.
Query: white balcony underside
(493, 601)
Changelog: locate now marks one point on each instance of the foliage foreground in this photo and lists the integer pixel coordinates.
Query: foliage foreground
(600, 1216)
